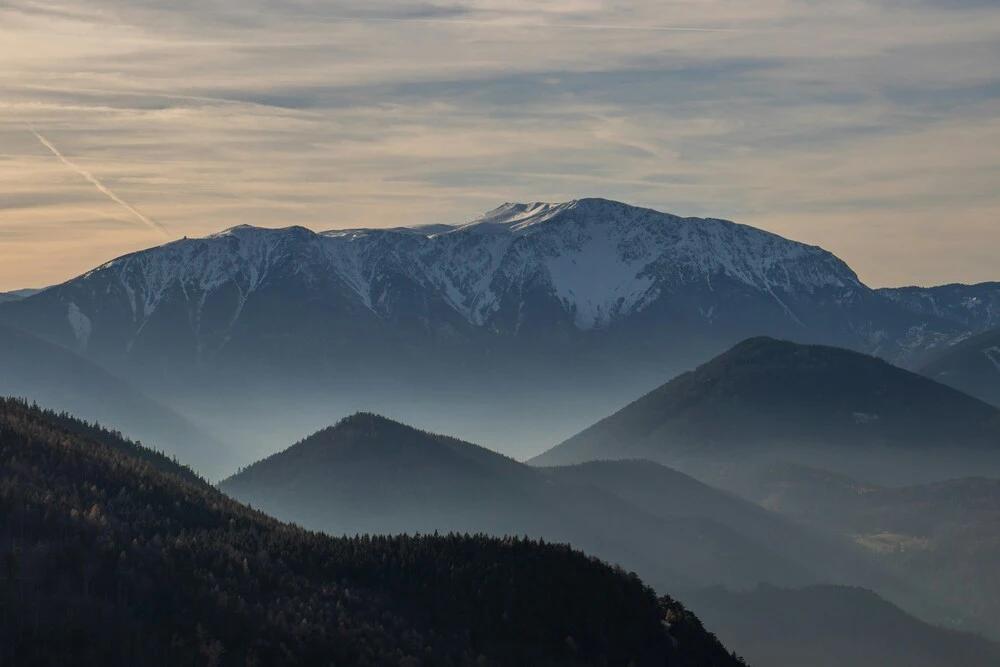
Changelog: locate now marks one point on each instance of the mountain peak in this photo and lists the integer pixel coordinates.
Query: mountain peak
(767, 347)
(367, 444)
(766, 395)
(244, 231)
(369, 420)
(521, 217)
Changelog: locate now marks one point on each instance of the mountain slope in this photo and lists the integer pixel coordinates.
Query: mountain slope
(806, 403)
(944, 535)
(830, 626)
(976, 307)
(667, 493)
(370, 474)
(972, 366)
(56, 377)
(110, 560)
(580, 304)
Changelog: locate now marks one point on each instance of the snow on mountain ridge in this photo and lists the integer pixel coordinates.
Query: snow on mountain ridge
(977, 306)
(602, 260)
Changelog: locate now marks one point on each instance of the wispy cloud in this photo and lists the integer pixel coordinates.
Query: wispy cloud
(103, 189)
(848, 125)
(528, 25)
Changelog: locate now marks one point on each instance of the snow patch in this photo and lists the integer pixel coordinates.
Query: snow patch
(596, 283)
(80, 323)
(993, 354)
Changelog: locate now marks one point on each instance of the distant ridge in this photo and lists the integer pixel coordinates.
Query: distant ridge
(42, 372)
(831, 626)
(786, 399)
(972, 366)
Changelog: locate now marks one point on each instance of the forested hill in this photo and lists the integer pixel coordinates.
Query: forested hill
(111, 557)
(19, 418)
(822, 406)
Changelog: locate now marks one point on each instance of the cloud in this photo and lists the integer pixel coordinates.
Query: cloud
(843, 124)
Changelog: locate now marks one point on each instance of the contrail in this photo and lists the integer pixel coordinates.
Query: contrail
(100, 186)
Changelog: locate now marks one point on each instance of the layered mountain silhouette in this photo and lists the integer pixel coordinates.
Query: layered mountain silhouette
(551, 311)
(371, 474)
(943, 535)
(830, 626)
(972, 366)
(976, 308)
(824, 454)
(61, 379)
(115, 555)
(767, 399)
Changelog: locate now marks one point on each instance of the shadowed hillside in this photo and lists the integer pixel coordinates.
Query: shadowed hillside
(973, 366)
(371, 474)
(115, 556)
(61, 379)
(767, 399)
(944, 535)
(832, 626)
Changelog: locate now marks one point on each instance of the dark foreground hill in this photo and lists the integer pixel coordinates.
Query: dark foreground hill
(812, 404)
(832, 626)
(113, 556)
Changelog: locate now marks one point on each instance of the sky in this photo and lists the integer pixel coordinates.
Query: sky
(869, 128)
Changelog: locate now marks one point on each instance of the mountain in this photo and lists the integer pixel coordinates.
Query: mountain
(371, 474)
(977, 307)
(520, 270)
(111, 557)
(944, 535)
(830, 626)
(767, 399)
(575, 306)
(59, 378)
(972, 366)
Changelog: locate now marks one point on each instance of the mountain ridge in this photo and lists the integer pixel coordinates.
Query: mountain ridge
(48, 374)
(972, 366)
(778, 398)
(699, 248)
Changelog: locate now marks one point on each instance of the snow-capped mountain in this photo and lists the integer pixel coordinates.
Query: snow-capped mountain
(587, 265)
(530, 301)
(595, 263)
(599, 261)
